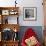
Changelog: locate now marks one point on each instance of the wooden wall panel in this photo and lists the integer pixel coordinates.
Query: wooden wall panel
(44, 6)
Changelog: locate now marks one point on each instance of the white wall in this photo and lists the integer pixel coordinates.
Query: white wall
(38, 5)
(27, 3)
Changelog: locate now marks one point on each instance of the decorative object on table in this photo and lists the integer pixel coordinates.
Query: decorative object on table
(15, 3)
(30, 38)
(13, 12)
(30, 13)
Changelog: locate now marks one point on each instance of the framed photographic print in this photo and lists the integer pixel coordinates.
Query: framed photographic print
(5, 12)
(30, 13)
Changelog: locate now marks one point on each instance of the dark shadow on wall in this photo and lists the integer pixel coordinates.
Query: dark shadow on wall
(37, 29)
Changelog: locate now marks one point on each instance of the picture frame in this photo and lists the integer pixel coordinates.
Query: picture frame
(30, 13)
(5, 12)
(10, 19)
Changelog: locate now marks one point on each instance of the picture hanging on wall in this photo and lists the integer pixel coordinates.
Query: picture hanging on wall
(30, 13)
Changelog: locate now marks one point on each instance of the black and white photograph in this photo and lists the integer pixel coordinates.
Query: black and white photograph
(29, 13)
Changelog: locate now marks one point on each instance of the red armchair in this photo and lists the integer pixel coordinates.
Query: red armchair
(28, 34)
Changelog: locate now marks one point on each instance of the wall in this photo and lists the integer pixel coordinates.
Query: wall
(38, 5)
(27, 3)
